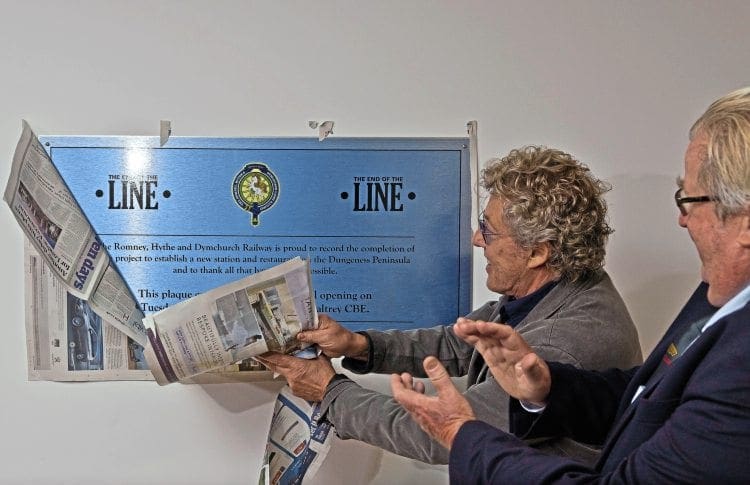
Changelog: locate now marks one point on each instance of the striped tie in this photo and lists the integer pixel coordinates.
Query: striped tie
(691, 334)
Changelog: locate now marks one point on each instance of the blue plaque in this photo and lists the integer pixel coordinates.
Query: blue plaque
(385, 222)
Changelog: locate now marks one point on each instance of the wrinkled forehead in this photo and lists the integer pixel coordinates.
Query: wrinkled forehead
(493, 210)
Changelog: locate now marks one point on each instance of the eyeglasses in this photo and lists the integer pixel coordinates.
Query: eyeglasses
(486, 234)
(682, 201)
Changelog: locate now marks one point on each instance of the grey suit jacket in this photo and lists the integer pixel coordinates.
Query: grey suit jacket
(584, 323)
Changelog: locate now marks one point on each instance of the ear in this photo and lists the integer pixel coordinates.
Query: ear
(743, 235)
(539, 256)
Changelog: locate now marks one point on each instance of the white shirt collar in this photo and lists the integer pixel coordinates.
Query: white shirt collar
(738, 301)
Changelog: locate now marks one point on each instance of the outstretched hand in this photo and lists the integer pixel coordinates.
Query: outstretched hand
(307, 378)
(514, 365)
(439, 416)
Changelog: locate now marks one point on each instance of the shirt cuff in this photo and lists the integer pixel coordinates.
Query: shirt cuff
(531, 407)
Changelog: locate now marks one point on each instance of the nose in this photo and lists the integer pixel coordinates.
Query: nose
(477, 239)
(682, 220)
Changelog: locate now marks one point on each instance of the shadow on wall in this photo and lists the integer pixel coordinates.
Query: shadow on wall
(238, 397)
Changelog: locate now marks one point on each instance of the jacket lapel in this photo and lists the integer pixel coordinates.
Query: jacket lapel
(697, 307)
(626, 409)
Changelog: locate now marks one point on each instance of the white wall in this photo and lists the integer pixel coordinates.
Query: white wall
(616, 83)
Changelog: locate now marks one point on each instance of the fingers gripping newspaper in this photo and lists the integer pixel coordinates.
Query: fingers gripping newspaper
(260, 313)
(55, 225)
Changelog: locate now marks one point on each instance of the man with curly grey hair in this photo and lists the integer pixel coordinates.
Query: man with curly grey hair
(543, 233)
(548, 203)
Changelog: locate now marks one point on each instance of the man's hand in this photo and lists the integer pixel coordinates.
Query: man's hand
(308, 379)
(439, 416)
(522, 373)
(335, 340)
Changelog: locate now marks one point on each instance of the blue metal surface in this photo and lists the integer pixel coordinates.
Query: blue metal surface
(385, 222)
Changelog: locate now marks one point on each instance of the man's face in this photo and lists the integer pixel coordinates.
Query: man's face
(715, 240)
(507, 270)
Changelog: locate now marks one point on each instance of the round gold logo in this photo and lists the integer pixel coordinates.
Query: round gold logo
(255, 189)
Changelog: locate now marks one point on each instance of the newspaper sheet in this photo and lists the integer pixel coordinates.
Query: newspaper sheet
(248, 317)
(297, 441)
(66, 339)
(59, 231)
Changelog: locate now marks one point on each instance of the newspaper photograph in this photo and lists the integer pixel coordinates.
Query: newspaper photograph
(248, 317)
(56, 226)
(66, 339)
(297, 442)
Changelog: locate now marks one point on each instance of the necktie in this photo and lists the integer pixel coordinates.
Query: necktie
(678, 347)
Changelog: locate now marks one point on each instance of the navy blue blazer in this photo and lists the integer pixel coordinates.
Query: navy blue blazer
(690, 425)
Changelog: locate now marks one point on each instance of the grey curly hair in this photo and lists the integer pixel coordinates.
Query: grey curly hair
(549, 196)
(725, 171)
